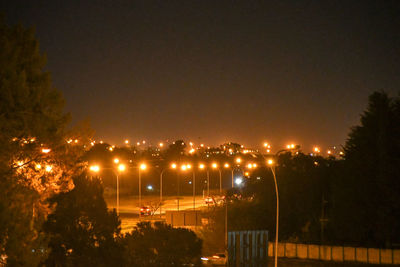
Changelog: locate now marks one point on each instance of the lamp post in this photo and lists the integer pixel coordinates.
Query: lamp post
(226, 166)
(215, 167)
(202, 167)
(143, 167)
(121, 168)
(272, 166)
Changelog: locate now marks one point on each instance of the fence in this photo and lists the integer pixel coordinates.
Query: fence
(336, 253)
(248, 248)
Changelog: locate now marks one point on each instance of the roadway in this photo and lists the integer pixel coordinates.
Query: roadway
(129, 207)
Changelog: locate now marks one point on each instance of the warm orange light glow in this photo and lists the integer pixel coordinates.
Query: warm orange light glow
(226, 165)
(38, 166)
(238, 160)
(188, 166)
(316, 149)
(161, 144)
(246, 174)
(254, 165)
(201, 166)
(329, 152)
(126, 141)
(249, 166)
(116, 160)
(270, 162)
(143, 166)
(121, 167)
(49, 168)
(173, 166)
(214, 165)
(110, 148)
(93, 168)
(46, 150)
(183, 167)
(191, 151)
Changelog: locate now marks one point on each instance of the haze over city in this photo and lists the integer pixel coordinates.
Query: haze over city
(217, 71)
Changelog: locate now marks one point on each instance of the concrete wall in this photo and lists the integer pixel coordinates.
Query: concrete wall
(335, 253)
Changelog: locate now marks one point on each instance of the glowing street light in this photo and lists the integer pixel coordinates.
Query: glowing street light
(126, 142)
(238, 181)
(93, 168)
(161, 144)
(214, 165)
(201, 166)
(116, 160)
(121, 167)
(238, 160)
(173, 165)
(272, 166)
(142, 167)
(46, 150)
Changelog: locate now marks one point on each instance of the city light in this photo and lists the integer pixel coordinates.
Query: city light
(126, 141)
(316, 149)
(38, 166)
(214, 165)
(238, 181)
(173, 166)
(150, 187)
(183, 167)
(94, 168)
(238, 160)
(226, 165)
(46, 150)
(201, 166)
(116, 160)
(121, 167)
(270, 162)
(160, 144)
(143, 166)
(249, 166)
(49, 168)
(188, 166)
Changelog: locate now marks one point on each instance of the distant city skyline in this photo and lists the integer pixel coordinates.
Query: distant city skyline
(218, 71)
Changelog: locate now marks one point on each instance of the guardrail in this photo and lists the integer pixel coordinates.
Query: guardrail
(336, 253)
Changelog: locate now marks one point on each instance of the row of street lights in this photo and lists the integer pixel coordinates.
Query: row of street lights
(185, 167)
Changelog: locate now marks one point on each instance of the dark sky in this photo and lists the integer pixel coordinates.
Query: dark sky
(216, 71)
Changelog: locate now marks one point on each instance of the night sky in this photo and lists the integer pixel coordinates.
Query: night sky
(216, 71)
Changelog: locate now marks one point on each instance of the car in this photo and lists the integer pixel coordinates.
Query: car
(145, 211)
(218, 259)
(209, 200)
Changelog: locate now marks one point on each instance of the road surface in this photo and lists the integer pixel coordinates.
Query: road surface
(129, 207)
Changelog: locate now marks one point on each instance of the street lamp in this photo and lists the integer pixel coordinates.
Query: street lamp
(272, 166)
(121, 168)
(202, 167)
(215, 166)
(226, 165)
(142, 167)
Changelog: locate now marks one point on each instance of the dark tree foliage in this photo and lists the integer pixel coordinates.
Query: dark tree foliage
(367, 199)
(176, 150)
(81, 229)
(30, 109)
(161, 245)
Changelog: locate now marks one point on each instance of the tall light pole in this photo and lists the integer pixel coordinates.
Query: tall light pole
(272, 166)
(142, 167)
(226, 166)
(202, 167)
(215, 167)
(121, 168)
